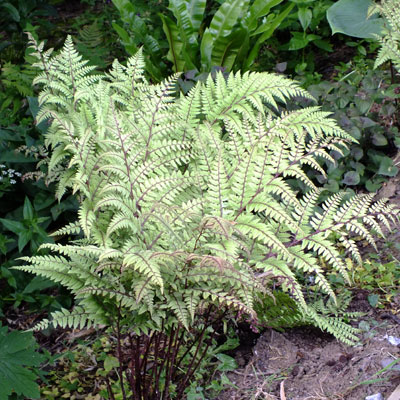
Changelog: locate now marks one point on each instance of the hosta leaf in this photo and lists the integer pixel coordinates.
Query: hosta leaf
(350, 17)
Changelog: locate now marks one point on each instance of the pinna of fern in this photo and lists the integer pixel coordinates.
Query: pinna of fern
(390, 38)
(185, 201)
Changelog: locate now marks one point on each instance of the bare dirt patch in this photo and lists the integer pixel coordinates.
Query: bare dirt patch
(303, 364)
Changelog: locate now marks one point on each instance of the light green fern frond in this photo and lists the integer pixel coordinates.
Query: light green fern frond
(186, 202)
(390, 39)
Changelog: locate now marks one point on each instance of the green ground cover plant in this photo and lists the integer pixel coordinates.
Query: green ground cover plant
(363, 102)
(185, 209)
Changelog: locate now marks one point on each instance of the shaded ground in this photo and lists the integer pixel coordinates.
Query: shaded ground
(304, 364)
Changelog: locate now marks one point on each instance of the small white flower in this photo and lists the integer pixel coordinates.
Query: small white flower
(18, 174)
(11, 171)
(12, 181)
(2, 166)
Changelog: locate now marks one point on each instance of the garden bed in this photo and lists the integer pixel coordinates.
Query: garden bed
(305, 364)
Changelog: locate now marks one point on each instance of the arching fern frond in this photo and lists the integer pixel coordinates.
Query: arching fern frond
(187, 203)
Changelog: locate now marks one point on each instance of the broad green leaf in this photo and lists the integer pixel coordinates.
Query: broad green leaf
(305, 17)
(7, 274)
(332, 186)
(13, 12)
(350, 17)
(222, 28)
(175, 44)
(13, 226)
(373, 300)
(228, 363)
(363, 105)
(206, 48)
(38, 283)
(323, 44)
(125, 8)
(351, 178)
(3, 243)
(258, 9)
(232, 49)
(266, 35)
(196, 10)
(17, 352)
(386, 167)
(186, 13)
(357, 153)
(12, 156)
(378, 139)
(298, 41)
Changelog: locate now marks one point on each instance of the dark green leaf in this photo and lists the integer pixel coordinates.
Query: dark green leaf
(332, 185)
(378, 139)
(128, 43)
(38, 283)
(175, 44)
(357, 153)
(386, 167)
(28, 211)
(373, 300)
(372, 186)
(363, 105)
(17, 352)
(351, 178)
(258, 9)
(14, 157)
(23, 239)
(13, 12)
(298, 41)
(323, 44)
(13, 226)
(266, 35)
(110, 362)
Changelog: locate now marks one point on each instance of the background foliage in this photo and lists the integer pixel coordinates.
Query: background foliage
(293, 37)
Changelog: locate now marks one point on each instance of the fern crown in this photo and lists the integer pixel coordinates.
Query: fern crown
(188, 201)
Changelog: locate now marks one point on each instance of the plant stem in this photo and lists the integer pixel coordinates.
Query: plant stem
(120, 355)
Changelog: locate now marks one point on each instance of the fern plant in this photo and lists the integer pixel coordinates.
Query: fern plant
(185, 211)
(390, 39)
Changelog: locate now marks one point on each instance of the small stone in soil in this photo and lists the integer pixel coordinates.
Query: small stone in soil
(376, 396)
(387, 361)
(395, 341)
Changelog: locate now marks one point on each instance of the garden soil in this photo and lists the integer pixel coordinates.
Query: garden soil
(303, 364)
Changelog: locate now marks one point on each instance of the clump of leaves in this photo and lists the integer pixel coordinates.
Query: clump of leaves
(380, 278)
(19, 361)
(365, 107)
